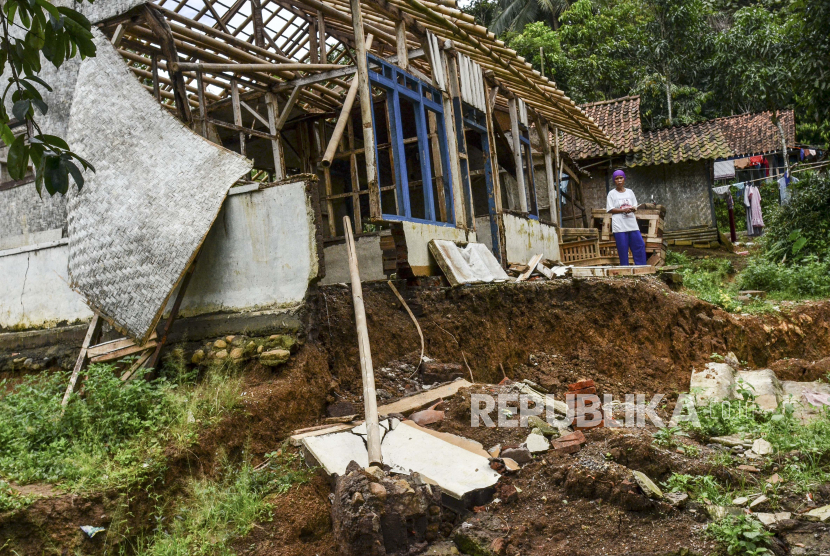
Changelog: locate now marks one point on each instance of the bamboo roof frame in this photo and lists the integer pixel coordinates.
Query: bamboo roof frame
(264, 44)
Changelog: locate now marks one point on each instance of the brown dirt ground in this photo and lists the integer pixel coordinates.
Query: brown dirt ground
(630, 335)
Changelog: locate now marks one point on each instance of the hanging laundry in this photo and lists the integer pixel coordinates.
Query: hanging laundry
(783, 188)
(722, 190)
(755, 159)
(757, 218)
(724, 169)
(741, 163)
(746, 194)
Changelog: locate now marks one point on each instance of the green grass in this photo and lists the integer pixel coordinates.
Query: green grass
(740, 535)
(114, 433)
(700, 487)
(213, 514)
(12, 500)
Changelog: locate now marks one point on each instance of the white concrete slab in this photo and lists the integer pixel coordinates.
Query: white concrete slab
(716, 382)
(765, 385)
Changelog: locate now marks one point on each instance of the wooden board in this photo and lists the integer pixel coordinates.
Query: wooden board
(112, 345)
(609, 271)
(297, 438)
(123, 352)
(423, 399)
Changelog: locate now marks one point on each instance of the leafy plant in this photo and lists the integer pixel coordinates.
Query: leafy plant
(667, 436)
(740, 535)
(57, 33)
(10, 499)
(699, 487)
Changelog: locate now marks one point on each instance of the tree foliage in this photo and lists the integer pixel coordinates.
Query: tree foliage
(33, 30)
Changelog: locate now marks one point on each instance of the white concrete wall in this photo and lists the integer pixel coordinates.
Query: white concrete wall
(525, 238)
(34, 288)
(260, 253)
(417, 237)
(369, 258)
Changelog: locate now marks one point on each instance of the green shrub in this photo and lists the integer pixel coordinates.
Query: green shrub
(809, 278)
(799, 230)
(740, 535)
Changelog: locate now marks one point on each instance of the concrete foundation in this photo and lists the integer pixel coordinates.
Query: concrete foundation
(369, 259)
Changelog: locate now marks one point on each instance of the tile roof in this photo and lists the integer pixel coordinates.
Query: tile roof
(727, 137)
(753, 134)
(619, 119)
(681, 144)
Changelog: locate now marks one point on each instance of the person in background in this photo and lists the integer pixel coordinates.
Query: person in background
(622, 204)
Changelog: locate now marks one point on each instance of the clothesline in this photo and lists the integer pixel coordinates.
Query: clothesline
(811, 166)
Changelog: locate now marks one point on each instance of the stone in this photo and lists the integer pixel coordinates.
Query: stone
(427, 416)
(762, 447)
(198, 357)
(819, 514)
(519, 455)
(769, 519)
(357, 499)
(237, 353)
(730, 441)
(740, 501)
(676, 499)
(478, 535)
(506, 493)
(445, 548)
(544, 427)
(719, 512)
(230, 339)
(375, 472)
(274, 357)
(378, 491)
(758, 502)
(732, 360)
(715, 383)
(537, 443)
(260, 349)
(495, 451)
(648, 486)
(748, 468)
(220, 344)
(775, 479)
(221, 354)
(765, 387)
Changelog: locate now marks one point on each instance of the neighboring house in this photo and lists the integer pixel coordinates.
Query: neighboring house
(269, 81)
(674, 166)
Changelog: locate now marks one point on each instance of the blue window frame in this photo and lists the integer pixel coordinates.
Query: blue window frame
(421, 167)
(478, 167)
(527, 163)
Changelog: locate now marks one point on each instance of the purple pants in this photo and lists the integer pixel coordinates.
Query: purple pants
(634, 240)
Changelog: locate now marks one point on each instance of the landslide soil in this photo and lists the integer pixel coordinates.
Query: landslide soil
(630, 335)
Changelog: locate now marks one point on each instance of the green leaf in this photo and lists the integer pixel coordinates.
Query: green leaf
(18, 158)
(794, 235)
(21, 109)
(54, 141)
(75, 173)
(799, 245)
(6, 134)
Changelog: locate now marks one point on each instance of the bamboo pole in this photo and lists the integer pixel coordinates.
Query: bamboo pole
(345, 112)
(240, 68)
(370, 406)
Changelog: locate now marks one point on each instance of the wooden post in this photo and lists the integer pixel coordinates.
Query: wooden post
(313, 37)
(202, 106)
(154, 66)
(237, 114)
(289, 105)
(517, 152)
(545, 137)
(321, 30)
(93, 334)
(118, 35)
(365, 92)
(557, 171)
(276, 144)
(456, 145)
(403, 53)
(161, 29)
(370, 404)
(345, 114)
(259, 26)
(152, 362)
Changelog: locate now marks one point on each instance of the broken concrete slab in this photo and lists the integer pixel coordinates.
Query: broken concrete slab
(471, 264)
(758, 502)
(803, 394)
(519, 455)
(407, 448)
(409, 404)
(740, 501)
(769, 519)
(765, 387)
(819, 514)
(716, 382)
(467, 443)
(537, 443)
(296, 439)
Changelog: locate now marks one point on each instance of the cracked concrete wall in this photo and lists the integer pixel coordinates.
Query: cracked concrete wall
(35, 292)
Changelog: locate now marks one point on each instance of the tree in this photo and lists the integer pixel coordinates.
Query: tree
(515, 14)
(485, 11)
(31, 30)
(753, 64)
(679, 39)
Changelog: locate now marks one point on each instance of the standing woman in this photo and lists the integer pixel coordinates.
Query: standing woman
(622, 203)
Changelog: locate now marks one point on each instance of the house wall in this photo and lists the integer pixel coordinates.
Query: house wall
(369, 260)
(525, 238)
(418, 235)
(36, 292)
(28, 219)
(682, 188)
(261, 253)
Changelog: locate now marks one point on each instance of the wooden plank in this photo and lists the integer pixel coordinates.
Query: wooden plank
(276, 144)
(122, 352)
(531, 266)
(92, 335)
(286, 110)
(112, 345)
(237, 114)
(409, 404)
(296, 439)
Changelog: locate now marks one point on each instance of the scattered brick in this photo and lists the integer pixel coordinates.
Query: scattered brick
(586, 383)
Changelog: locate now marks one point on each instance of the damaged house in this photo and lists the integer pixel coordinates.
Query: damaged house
(231, 139)
(674, 167)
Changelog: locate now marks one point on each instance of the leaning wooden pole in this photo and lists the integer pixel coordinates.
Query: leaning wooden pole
(370, 403)
(345, 112)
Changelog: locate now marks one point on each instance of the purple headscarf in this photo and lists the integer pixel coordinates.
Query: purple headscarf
(619, 173)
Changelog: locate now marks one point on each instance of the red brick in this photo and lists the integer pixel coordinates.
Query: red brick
(587, 383)
(567, 447)
(574, 436)
(588, 390)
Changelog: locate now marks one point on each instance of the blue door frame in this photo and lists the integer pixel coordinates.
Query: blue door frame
(398, 83)
(472, 121)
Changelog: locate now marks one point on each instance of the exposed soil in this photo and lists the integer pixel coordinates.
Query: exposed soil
(630, 335)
